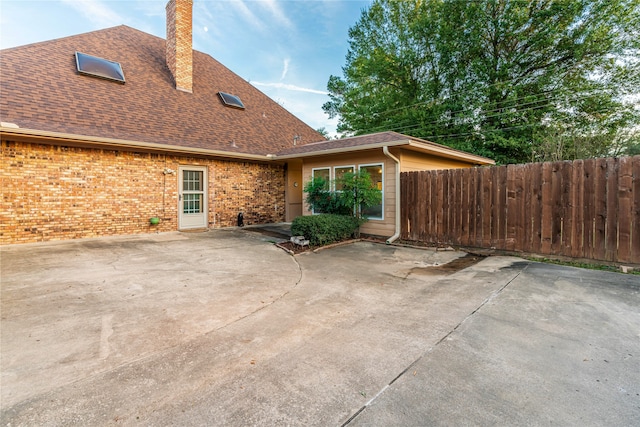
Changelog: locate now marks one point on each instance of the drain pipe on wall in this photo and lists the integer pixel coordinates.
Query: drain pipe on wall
(386, 152)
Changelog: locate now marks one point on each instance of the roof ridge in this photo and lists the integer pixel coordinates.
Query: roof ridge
(58, 39)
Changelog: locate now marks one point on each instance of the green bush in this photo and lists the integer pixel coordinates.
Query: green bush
(325, 229)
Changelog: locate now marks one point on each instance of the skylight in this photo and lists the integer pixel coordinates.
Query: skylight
(231, 100)
(99, 67)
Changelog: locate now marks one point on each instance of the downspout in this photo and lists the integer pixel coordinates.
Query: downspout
(386, 152)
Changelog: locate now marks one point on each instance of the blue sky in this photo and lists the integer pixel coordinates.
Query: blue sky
(286, 48)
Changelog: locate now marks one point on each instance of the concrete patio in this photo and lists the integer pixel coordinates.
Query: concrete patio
(224, 328)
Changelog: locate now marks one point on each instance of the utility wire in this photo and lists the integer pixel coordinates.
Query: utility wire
(503, 111)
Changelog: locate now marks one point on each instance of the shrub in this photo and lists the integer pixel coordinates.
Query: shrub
(326, 228)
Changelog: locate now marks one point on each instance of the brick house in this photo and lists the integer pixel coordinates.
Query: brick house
(104, 130)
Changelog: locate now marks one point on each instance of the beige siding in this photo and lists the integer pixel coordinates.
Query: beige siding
(414, 161)
(385, 227)
(293, 193)
(409, 161)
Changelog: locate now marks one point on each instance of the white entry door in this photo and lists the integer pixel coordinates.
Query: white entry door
(192, 196)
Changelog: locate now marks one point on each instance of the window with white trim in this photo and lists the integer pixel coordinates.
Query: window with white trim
(376, 172)
(325, 174)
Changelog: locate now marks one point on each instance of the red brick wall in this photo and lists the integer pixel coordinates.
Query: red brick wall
(55, 193)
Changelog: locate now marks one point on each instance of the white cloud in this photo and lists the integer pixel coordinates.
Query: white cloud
(290, 87)
(96, 11)
(285, 68)
(277, 12)
(248, 15)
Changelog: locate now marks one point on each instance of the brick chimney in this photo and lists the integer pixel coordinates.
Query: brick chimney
(179, 43)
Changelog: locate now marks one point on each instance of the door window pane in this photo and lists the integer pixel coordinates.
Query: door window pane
(192, 181)
(192, 203)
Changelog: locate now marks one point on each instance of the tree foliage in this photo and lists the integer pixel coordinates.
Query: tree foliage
(351, 194)
(493, 77)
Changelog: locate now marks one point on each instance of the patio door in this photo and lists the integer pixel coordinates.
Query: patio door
(192, 196)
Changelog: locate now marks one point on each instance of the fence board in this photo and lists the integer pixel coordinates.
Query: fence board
(611, 224)
(495, 209)
(405, 202)
(433, 194)
(465, 208)
(625, 182)
(546, 191)
(589, 223)
(527, 241)
(635, 221)
(577, 205)
(583, 209)
(601, 209)
(536, 208)
(557, 211)
(486, 207)
(419, 219)
(407, 193)
(444, 199)
(454, 207)
(511, 209)
(473, 206)
(567, 208)
(499, 208)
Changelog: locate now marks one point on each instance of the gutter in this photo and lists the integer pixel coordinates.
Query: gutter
(386, 152)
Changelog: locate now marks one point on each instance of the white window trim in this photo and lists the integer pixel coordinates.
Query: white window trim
(381, 165)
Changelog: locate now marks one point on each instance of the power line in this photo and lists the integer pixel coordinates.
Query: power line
(503, 111)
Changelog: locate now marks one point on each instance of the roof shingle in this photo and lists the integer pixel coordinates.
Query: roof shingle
(42, 90)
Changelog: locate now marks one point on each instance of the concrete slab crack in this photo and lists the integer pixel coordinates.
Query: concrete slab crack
(490, 298)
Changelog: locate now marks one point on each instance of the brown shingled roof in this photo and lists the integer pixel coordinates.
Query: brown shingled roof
(42, 90)
(377, 140)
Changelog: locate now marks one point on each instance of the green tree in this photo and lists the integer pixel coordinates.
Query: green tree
(324, 132)
(493, 76)
(351, 194)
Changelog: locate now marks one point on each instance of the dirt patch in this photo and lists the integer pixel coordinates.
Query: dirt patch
(297, 249)
(293, 248)
(448, 268)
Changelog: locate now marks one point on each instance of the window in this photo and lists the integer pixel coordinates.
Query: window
(376, 172)
(99, 67)
(324, 173)
(340, 171)
(231, 100)
(192, 191)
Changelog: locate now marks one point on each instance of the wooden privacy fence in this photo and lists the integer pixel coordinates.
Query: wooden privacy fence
(581, 209)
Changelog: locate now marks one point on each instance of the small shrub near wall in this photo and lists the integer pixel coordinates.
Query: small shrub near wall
(325, 229)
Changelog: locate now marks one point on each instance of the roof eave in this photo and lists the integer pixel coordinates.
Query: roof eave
(30, 135)
(342, 150)
(433, 149)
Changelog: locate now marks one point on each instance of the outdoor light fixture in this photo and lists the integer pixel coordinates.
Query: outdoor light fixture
(168, 171)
